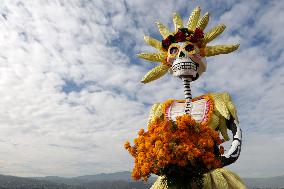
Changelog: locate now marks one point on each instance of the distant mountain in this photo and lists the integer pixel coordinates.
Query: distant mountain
(118, 176)
(118, 180)
(125, 175)
(59, 180)
(271, 182)
(11, 182)
(53, 182)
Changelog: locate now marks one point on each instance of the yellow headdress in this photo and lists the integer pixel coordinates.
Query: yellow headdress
(194, 32)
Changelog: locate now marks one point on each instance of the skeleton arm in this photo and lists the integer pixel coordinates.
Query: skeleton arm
(234, 152)
(224, 118)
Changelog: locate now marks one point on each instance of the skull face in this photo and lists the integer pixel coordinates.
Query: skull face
(185, 60)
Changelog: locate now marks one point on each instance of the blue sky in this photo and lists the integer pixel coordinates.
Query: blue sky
(70, 81)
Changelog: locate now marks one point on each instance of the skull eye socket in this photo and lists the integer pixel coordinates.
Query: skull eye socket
(173, 50)
(189, 47)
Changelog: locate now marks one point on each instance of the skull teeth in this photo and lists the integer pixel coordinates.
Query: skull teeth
(185, 65)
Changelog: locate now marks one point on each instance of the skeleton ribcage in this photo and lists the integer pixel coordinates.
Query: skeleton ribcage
(198, 110)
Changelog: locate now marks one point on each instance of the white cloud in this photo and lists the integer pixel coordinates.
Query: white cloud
(44, 44)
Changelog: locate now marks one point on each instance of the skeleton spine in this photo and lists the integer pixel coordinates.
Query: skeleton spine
(187, 93)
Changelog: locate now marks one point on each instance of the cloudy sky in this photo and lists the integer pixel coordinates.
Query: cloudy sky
(70, 81)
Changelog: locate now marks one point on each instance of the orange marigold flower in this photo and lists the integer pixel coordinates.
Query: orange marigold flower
(141, 155)
(202, 142)
(141, 148)
(158, 144)
(145, 169)
(141, 132)
(136, 175)
(136, 141)
(161, 154)
(127, 145)
(196, 152)
(132, 151)
(148, 145)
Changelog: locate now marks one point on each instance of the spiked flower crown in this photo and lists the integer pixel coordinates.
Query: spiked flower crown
(194, 33)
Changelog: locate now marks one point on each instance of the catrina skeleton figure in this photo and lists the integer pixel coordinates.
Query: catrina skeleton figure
(183, 53)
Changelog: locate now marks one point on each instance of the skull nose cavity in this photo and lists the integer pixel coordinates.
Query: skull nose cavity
(181, 54)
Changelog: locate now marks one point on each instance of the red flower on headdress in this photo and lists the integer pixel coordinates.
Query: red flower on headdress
(198, 33)
(183, 35)
(168, 41)
(180, 36)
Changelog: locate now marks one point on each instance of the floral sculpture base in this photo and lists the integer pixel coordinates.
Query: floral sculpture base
(182, 144)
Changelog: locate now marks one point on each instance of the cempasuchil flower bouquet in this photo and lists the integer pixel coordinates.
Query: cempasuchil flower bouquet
(181, 151)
